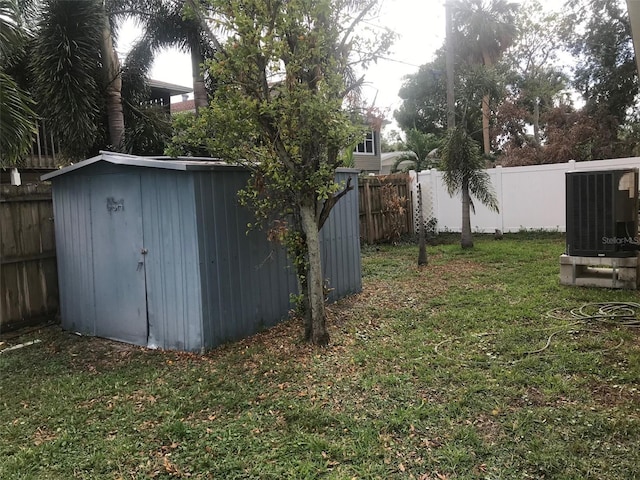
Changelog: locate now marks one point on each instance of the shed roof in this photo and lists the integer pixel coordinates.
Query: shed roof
(167, 163)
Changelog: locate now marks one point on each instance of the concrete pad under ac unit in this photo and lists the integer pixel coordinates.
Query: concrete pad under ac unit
(603, 272)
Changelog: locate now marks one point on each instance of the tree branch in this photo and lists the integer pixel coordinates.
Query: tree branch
(354, 86)
(355, 22)
(330, 202)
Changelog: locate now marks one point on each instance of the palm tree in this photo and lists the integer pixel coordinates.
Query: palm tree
(419, 145)
(67, 64)
(165, 25)
(485, 29)
(77, 73)
(17, 124)
(462, 165)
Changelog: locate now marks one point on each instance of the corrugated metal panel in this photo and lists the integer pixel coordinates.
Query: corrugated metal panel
(245, 279)
(172, 262)
(74, 250)
(340, 242)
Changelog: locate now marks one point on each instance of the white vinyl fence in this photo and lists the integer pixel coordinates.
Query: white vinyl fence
(531, 198)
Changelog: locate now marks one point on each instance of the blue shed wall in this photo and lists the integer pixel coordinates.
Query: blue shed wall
(74, 250)
(246, 280)
(340, 242)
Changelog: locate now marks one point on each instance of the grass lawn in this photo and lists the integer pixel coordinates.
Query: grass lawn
(453, 371)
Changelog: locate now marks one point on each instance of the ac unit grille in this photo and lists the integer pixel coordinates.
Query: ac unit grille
(602, 217)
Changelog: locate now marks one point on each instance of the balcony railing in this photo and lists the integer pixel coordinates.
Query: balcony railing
(44, 154)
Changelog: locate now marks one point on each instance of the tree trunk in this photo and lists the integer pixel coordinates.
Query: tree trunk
(536, 122)
(315, 286)
(486, 112)
(113, 77)
(466, 240)
(302, 274)
(486, 140)
(200, 97)
(304, 308)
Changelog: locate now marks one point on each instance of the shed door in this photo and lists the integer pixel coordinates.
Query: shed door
(118, 261)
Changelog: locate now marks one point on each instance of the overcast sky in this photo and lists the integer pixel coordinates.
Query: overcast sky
(420, 25)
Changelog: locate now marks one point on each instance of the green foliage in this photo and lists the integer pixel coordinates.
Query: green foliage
(424, 98)
(12, 34)
(17, 121)
(192, 135)
(598, 33)
(484, 29)
(148, 130)
(67, 69)
(17, 118)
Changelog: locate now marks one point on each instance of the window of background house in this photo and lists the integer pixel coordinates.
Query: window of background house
(367, 146)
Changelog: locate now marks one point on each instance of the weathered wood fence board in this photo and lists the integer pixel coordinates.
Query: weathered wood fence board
(385, 207)
(28, 275)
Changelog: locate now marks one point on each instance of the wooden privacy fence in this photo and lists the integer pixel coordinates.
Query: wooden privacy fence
(385, 207)
(28, 276)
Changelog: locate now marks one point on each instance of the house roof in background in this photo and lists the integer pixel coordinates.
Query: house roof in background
(171, 87)
(184, 106)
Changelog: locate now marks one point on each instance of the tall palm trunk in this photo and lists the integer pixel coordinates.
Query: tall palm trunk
(486, 112)
(200, 98)
(466, 240)
(486, 140)
(113, 91)
(315, 282)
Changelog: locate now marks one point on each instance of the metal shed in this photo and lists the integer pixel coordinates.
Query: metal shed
(155, 252)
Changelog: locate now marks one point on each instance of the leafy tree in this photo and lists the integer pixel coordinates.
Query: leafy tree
(462, 165)
(391, 141)
(484, 31)
(536, 77)
(598, 34)
(17, 118)
(424, 98)
(284, 73)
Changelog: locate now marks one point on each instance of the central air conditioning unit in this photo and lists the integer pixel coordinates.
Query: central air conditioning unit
(602, 213)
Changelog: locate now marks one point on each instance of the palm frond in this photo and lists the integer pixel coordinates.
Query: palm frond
(408, 156)
(18, 123)
(481, 187)
(12, 36)
(66, 62)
